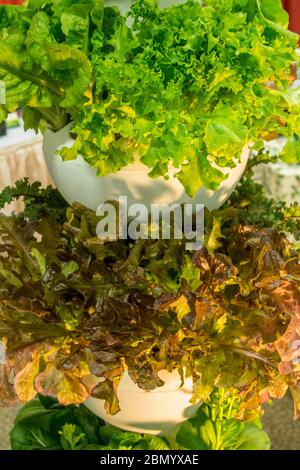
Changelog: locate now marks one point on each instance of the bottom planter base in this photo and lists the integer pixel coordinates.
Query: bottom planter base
(155, 412)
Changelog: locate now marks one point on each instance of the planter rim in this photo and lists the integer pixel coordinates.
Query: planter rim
(60, 142)
(78, 181)
(79, 160)
(172, 383)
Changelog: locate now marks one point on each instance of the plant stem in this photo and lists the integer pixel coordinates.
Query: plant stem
(231, 403)
(220, 420)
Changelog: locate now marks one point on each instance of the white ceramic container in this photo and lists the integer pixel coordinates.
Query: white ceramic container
(77, 181)
(152, 412)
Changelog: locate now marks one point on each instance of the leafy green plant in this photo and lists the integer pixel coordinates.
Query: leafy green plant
(254, 208)
(71, 305)
(215, 427)
(43, 424)
(188, 86)
(38, 201)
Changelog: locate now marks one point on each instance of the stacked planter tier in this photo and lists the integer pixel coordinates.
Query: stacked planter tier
(158, 410)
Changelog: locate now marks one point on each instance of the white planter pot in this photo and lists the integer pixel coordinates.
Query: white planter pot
(151, 412)
(77, 181)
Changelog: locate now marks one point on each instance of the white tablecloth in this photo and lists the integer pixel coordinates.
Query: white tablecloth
(20, 160)
(282, 181)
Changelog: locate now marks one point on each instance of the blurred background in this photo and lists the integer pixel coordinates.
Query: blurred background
(21, 156)
(293, 8)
